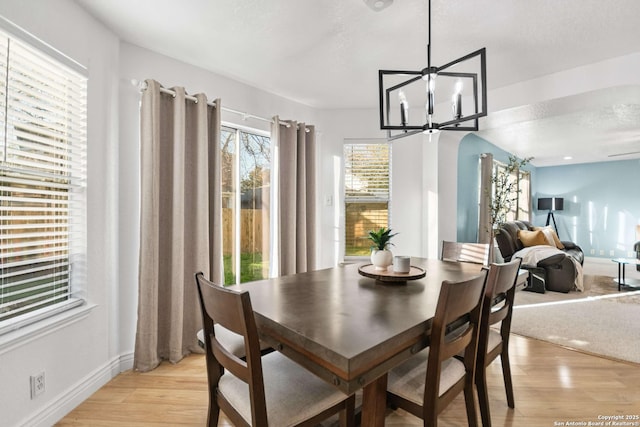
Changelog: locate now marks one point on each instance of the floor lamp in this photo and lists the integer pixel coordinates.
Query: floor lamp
(551, 204)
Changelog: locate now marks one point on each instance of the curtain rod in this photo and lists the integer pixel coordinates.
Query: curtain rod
(142, 85)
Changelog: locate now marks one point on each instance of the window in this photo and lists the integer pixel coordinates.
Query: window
(42, 184)
(246, 167)
(366, 182)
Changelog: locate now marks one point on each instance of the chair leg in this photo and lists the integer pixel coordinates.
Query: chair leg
(506, 373)
(214, 414)
(483, 396)
(470, 403)
(347, 415)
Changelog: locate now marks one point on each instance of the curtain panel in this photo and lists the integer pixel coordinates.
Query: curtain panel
(181, 221)
(294, 241)
(485, 227)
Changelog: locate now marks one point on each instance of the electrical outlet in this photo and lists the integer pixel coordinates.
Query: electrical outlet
(601, 252)
(611, 253)
(593, 251)
(37, 384)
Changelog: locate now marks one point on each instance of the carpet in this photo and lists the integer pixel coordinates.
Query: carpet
(600, 320)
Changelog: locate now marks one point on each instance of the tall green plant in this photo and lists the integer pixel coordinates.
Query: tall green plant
(506, 191)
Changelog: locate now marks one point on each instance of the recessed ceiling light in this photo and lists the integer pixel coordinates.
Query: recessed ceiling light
(378, 5)
(567, 158)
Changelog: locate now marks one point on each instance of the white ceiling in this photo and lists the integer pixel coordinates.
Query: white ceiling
(326, 53)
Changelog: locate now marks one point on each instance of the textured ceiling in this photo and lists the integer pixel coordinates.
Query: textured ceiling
(326, 53)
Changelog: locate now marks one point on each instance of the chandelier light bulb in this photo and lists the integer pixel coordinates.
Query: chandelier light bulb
(404, 108)
(456, 101)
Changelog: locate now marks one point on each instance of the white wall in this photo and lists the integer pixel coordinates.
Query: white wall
(78, 357)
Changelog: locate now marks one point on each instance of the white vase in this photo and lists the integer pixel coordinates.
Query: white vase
(381, 259)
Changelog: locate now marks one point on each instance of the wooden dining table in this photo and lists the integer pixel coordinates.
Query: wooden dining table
(349, 329)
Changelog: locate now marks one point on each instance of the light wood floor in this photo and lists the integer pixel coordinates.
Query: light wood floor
(553, 385)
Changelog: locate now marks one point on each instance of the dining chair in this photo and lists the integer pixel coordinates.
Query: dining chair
(261, 390)
(426, 383)
(497, 308)
(477, 253)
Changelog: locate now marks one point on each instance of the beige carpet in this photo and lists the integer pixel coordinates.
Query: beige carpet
(599, 320)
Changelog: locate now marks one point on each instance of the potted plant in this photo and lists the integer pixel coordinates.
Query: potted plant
(381, 256)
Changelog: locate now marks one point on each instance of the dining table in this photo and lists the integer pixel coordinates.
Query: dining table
(350, 330)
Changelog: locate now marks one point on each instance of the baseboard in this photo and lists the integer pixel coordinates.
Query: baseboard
(597, 260)
(79, 392)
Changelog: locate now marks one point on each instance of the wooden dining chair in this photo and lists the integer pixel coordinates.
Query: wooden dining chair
(497, 308)
(426, 383)
(269, 390)
(477, 253)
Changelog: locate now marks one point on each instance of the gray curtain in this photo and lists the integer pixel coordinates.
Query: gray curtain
(180, 224)
(485, 232)
(295, 230)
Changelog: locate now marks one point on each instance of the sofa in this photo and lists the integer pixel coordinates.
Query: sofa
(556, 272)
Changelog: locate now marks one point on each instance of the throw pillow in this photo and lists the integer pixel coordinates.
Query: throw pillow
(532, 238)
(548, 235)
(557, 243)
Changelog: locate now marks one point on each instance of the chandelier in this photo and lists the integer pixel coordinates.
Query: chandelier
(450, 97)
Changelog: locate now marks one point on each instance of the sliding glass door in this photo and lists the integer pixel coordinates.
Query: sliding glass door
(246, 168)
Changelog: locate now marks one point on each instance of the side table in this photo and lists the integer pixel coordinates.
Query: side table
(622, 281)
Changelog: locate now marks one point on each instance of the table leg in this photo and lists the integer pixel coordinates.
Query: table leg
(374, 402)
(619, 276)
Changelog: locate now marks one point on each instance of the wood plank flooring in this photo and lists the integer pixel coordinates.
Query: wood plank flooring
(553, 386)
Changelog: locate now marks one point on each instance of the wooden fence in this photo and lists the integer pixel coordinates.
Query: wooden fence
(252, 232)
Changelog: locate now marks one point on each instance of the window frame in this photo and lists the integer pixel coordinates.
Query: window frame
(347, 199)
(75, 188)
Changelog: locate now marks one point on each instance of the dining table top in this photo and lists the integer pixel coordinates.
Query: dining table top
(347, 328)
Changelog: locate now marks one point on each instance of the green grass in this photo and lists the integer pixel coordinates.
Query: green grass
(251, 268)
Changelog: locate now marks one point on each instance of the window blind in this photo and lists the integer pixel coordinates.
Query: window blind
(42, 183)
(366, 172)
(367, 179)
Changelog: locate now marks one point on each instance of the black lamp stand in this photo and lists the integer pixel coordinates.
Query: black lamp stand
(552, 218)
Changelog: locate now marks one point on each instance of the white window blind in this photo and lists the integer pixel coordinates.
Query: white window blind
(42, 184)
(366, 172)
(367, 179)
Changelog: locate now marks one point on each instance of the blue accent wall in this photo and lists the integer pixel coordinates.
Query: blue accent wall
(601, 200)
(469, 151)
(601, 204)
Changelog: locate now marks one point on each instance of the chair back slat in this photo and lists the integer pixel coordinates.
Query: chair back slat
(477, 253)
(501, 282)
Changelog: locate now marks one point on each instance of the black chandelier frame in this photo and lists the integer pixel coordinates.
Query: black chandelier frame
(457, 123)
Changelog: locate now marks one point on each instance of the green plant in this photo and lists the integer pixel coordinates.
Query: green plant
(381, 238)
(505, 189)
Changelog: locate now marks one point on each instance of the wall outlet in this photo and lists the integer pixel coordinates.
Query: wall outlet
(593, 251)
(37, 384)
(611, 253)
(601, 251)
